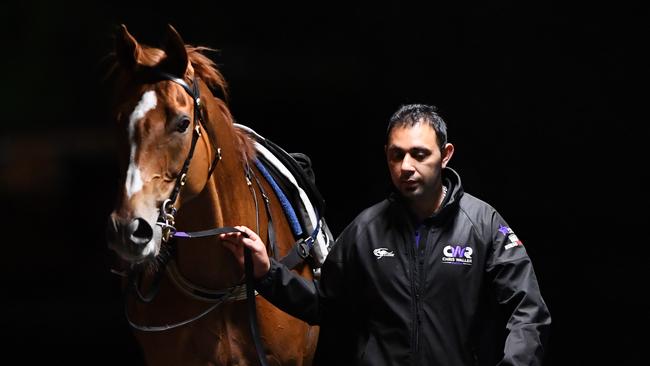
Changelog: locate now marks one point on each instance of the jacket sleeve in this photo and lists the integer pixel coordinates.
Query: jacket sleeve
(308, 300)
(516, 290)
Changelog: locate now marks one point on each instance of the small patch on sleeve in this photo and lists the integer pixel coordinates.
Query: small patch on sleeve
(513, 240)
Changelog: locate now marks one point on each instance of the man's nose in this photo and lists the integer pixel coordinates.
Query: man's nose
(408, 163)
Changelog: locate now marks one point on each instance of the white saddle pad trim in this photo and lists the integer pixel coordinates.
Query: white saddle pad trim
(321, 240)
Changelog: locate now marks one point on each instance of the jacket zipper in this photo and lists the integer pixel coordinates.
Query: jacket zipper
(416, 286)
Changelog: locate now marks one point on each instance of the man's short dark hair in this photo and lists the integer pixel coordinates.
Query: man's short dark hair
(411, 114)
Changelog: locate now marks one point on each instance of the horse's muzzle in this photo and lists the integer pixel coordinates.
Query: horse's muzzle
(130, 239)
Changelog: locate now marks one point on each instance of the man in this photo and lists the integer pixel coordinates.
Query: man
(418, 278)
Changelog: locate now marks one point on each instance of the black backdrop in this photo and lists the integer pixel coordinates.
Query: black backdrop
(544, 103)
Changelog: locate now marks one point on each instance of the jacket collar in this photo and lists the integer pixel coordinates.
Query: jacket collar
(451, 180)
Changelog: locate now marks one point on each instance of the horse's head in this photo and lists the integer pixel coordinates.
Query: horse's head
(163, 142)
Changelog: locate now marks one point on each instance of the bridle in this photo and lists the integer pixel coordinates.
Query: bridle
(166, 220)
(167, 209)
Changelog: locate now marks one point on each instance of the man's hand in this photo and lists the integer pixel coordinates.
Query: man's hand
(236, 242)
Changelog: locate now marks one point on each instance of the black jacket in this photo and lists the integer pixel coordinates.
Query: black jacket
(382, 300)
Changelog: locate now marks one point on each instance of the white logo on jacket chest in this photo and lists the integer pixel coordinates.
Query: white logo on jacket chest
(457, 254)
(382, 252)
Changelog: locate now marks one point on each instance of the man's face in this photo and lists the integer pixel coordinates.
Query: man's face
(414, 160)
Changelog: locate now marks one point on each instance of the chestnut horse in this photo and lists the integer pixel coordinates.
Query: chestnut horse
(187, 166)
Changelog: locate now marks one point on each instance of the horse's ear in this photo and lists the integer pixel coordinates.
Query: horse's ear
(176, 61)
(127, 48)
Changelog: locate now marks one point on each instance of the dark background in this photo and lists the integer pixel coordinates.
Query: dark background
(545, 102)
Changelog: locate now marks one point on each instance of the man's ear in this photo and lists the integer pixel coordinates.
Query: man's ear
(447, 153)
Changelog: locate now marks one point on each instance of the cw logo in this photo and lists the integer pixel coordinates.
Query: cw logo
(382, 252)
(458, 251)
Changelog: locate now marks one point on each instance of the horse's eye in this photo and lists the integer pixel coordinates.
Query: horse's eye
(182, 125)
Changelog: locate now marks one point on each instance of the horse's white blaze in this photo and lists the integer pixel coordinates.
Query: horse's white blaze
(133, 179)
(146, 103)
(133, 175)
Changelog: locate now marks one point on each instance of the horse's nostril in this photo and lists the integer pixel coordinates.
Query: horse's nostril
(140, 231)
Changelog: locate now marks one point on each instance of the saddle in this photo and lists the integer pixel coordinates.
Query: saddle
(293, 181)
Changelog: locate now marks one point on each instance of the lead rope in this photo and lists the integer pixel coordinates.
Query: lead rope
(250, 289)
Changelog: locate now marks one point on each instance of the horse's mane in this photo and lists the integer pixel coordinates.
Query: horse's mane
(205, 68)
(202, 67)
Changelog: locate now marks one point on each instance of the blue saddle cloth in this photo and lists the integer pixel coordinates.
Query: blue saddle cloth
(284, 201)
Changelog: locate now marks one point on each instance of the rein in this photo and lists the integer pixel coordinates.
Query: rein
(166, 221)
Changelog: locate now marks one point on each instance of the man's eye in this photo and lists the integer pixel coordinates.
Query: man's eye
(419, 154)
(396, 155)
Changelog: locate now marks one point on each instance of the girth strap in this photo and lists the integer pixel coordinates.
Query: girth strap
(301, 249)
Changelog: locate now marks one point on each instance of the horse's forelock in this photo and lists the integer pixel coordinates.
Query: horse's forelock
(150, 56)
(200, 65)
(119, 76)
